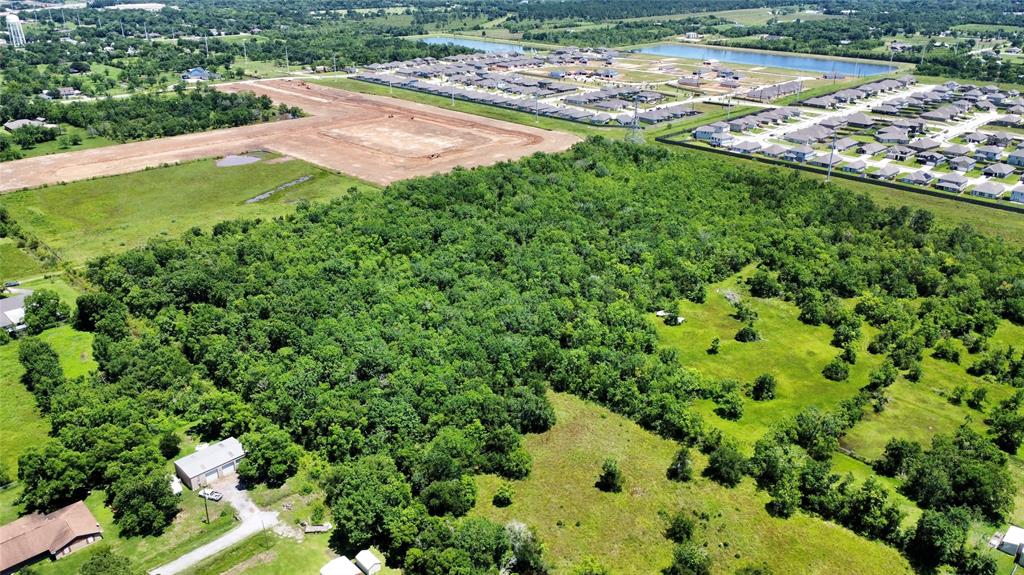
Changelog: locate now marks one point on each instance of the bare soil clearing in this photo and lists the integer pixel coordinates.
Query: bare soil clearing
(375, 138)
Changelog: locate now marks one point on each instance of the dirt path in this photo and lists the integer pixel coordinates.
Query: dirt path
(375, 138)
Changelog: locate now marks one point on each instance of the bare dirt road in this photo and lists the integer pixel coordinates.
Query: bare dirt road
(375, 138)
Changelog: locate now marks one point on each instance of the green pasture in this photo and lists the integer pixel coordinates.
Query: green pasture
(624, 531)
(84, 219)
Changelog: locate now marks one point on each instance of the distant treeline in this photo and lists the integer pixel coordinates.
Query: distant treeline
(146, 116)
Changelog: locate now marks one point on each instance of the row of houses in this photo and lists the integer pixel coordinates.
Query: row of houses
(950, 101)
(850, 95)
(950, 181)
(529, 105)
(614, 97)
(722, 133)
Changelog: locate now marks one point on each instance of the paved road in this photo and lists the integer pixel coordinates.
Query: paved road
(253, 520)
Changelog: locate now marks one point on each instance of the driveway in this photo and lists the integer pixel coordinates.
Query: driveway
(252, 521)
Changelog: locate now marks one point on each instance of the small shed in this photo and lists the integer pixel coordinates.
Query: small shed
(368, 562)
(340, 566)
(209, 463)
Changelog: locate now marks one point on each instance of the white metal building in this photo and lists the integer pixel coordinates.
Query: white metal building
(340, 566)
(210, 463)
(368, 562)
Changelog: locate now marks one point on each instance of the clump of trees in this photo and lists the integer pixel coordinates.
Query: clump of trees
(611, 479)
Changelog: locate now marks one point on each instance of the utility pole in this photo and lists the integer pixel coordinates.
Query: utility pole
(831, 156)
(206, 41)
(634, 127)
(286, 63)
(122, 28)
(334, 59)
(206, 504)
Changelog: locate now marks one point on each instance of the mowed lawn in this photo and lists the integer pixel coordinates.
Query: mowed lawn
(624, 531)
(84, 219)
(22, 426)
(794, 352)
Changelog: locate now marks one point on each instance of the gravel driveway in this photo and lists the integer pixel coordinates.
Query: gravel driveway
(252, 521)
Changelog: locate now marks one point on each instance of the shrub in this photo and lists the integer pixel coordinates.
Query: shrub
(610, 479)
(726, 464)
(747, 334)
(680, 527)
(730, 406)
(764, 387)
(715, 344)
(681, 468)
(689, 559)
(947, 349)
(762, 284)
(836, 370)
(503, 496)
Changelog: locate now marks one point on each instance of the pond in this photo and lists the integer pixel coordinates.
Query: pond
(481, 45)
(768, 59)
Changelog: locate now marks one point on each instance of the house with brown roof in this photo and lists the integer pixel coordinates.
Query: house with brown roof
(54, 535)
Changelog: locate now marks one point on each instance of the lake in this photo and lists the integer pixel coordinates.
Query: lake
(481, 45)
(768, 59)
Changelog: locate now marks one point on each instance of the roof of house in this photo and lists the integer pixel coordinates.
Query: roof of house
(366, 559)
(340, 566)
(210, 457)
(953, 178)
(887, 171)
(1000, 169)
(12, 310)
(919, 176)
(36, 534)
(993, 188)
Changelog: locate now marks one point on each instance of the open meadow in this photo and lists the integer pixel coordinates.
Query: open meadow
(624, 531)
(85, 219)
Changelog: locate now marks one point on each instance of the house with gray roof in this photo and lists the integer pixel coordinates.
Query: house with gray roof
(952, 182)
(798, 153)
(999, 170)
(1017, 195)
(919, 178)
(854, 167)
(962, 163)
(12, 313)
(1016, 158)
(209, 463)
(899, 153)
(872, 148)
(885, 173)
(988, 152)
(990, 190)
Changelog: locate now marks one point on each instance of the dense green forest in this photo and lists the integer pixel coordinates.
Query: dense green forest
(406, 340)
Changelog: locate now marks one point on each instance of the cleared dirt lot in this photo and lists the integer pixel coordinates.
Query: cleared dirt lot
(374, 138)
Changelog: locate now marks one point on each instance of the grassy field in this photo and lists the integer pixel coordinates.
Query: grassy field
(15, 263)
(793, 352)
(88, 218)
(758, 16)
(54, 147)
(22, 426)
(624, 531)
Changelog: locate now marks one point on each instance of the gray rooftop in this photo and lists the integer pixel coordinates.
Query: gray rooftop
(210, 457)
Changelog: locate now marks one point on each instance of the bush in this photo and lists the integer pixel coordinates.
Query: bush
(43, 310)
(452, 497)
(590, 566)
(681, 468)
(747, 334)
(730, 406)
(715, 344)
(689, 559)
(764, 387)
(503, 496)
(611, 477)
(317, 513)
(948, 350)
(726, 464)
(680, 527)
(836, 370)
(5, 338)
(762, 284)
